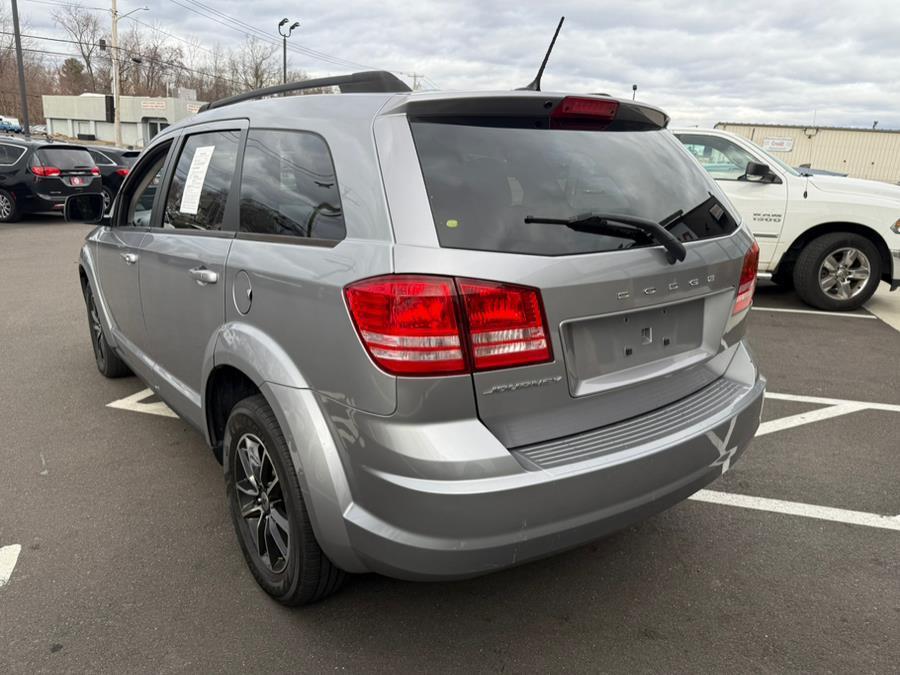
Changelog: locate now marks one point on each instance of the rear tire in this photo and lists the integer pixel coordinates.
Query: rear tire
(107, 199)
(268, 512)
(108, 362)
(9, 210)
(837, 272)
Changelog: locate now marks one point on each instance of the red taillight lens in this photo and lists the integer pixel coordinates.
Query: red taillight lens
(410, 325)
(575, 112)
(747, 284)
(122, 172)
(506, 324)
(95, 171)
(45, 171)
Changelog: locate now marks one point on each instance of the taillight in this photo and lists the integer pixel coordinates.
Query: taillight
(424, 325)
(747, 284)
(506, 324)
(575, 112)
(122, 172)
(95, 171)
(45, 171)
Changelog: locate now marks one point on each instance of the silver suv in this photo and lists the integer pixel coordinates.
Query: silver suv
(430, 335)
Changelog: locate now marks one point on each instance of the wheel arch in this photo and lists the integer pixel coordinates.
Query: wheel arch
(786, 263)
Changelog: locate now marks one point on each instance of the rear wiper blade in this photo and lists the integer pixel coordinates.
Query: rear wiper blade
(610, 223)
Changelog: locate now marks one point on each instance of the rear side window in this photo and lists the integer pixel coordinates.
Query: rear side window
(289, 188)
(64, 158)
(100, 158)
(10, 154)
(202, 181)
(482, 182)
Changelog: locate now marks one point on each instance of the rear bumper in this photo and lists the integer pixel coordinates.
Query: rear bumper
(403, 524)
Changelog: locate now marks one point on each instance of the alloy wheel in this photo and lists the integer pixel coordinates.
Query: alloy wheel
(5, 207)
(261, 502)
(844, 273)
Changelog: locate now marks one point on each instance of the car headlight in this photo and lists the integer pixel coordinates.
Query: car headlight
(895, 228)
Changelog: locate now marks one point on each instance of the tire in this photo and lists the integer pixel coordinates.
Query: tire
(108, 197)
(293, 572)
(854, 279)
(9, 210)
(108, 362)
(784, 279)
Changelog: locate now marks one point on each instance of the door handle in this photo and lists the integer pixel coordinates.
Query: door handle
(204, 276)
(130, 258)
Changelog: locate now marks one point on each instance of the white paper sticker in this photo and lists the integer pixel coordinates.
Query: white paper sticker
(190, 200)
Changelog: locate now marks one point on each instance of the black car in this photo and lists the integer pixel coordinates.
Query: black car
(38, 175)
(114, 164)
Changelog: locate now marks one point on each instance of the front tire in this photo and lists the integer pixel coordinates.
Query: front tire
(108, 362)
(837, 272)
(268, 512)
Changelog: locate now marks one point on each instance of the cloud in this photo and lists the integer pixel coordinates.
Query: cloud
(702, 62)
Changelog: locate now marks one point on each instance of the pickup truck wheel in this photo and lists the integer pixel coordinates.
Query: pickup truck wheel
(9, 212)
(838, 271)
(268, 511)
(108, 362)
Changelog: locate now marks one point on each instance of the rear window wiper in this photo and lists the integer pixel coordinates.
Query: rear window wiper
(610, 223)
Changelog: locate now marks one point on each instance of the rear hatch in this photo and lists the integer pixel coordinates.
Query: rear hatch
(629, 330)
(61, 171)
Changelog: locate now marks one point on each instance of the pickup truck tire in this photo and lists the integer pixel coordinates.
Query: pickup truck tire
(9, 212)
(837, 272)
(108, 362)
(267, 508)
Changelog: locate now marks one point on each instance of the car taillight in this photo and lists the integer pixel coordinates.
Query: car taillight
(95, 171)
(747, 284)
(428, 325)
(575, 112)
(122, 172)
(45, 171)
(506, 324)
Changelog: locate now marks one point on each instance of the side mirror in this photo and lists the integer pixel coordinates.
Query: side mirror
(756, 170)
(84, 208)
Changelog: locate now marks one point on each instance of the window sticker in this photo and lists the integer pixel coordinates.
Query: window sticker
(190, 200)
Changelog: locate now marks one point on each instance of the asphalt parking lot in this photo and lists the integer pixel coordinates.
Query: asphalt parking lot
(128, 562)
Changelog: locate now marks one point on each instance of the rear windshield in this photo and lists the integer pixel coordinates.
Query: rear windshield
(127, 158)
(65, 158)
(483, 181)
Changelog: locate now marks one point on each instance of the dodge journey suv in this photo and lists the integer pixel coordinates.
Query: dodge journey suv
(430, 335)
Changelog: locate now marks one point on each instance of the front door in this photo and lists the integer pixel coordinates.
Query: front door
(762, 205)
(182, 263)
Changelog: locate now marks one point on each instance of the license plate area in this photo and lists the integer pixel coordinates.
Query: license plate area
(622, 349)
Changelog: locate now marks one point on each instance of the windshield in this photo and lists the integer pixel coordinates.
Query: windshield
(791, 170)
(483, 181)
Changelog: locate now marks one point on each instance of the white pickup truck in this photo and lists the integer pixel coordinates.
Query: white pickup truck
(833, 238)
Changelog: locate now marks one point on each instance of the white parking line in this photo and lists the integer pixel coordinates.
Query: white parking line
(134, 404)
(832, 401)
(799, 509)
(8, 557)
(816, 415)
(813, 311)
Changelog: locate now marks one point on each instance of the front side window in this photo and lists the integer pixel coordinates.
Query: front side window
(140, 197)
(289, 188)
(723, 159)
(202, 181)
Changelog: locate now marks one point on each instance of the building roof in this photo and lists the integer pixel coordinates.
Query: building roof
(808, 126)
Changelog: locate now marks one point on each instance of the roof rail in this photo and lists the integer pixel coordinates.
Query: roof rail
(366, 82)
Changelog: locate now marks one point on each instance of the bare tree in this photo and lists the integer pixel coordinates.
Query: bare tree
(86, 31)
(255, 64)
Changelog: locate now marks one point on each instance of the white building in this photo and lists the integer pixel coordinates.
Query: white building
(89, 116)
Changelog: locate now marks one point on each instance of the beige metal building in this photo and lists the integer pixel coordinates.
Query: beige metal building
(860, 153)
(87, 117)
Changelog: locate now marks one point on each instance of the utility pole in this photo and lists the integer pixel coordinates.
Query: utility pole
(117, 120)
(415, 78)
(23, 94)
(284, 37)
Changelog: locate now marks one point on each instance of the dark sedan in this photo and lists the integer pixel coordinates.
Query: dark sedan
(114, 164)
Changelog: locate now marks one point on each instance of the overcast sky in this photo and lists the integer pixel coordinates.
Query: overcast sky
(702, 61)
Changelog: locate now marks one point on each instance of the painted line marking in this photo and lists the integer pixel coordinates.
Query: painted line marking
(817, 415)
(798, 509)
(813, 311)
(832, 401)
(8, 557)
(133, 403)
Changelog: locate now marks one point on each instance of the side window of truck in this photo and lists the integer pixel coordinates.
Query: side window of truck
(289, 187)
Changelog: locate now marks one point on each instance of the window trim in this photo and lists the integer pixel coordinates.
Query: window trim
(17, 159)
(291, 239)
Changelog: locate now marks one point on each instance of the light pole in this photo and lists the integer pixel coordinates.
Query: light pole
(20, 63)
(114, 46)
(284, 38)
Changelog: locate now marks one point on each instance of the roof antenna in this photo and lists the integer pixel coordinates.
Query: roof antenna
(535, 84)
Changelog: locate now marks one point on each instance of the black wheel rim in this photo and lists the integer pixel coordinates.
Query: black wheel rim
(261, 503)
(96, 331)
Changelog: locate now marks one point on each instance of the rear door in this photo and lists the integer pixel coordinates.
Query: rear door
(629, 331)
(762, 205)
(182, 263)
